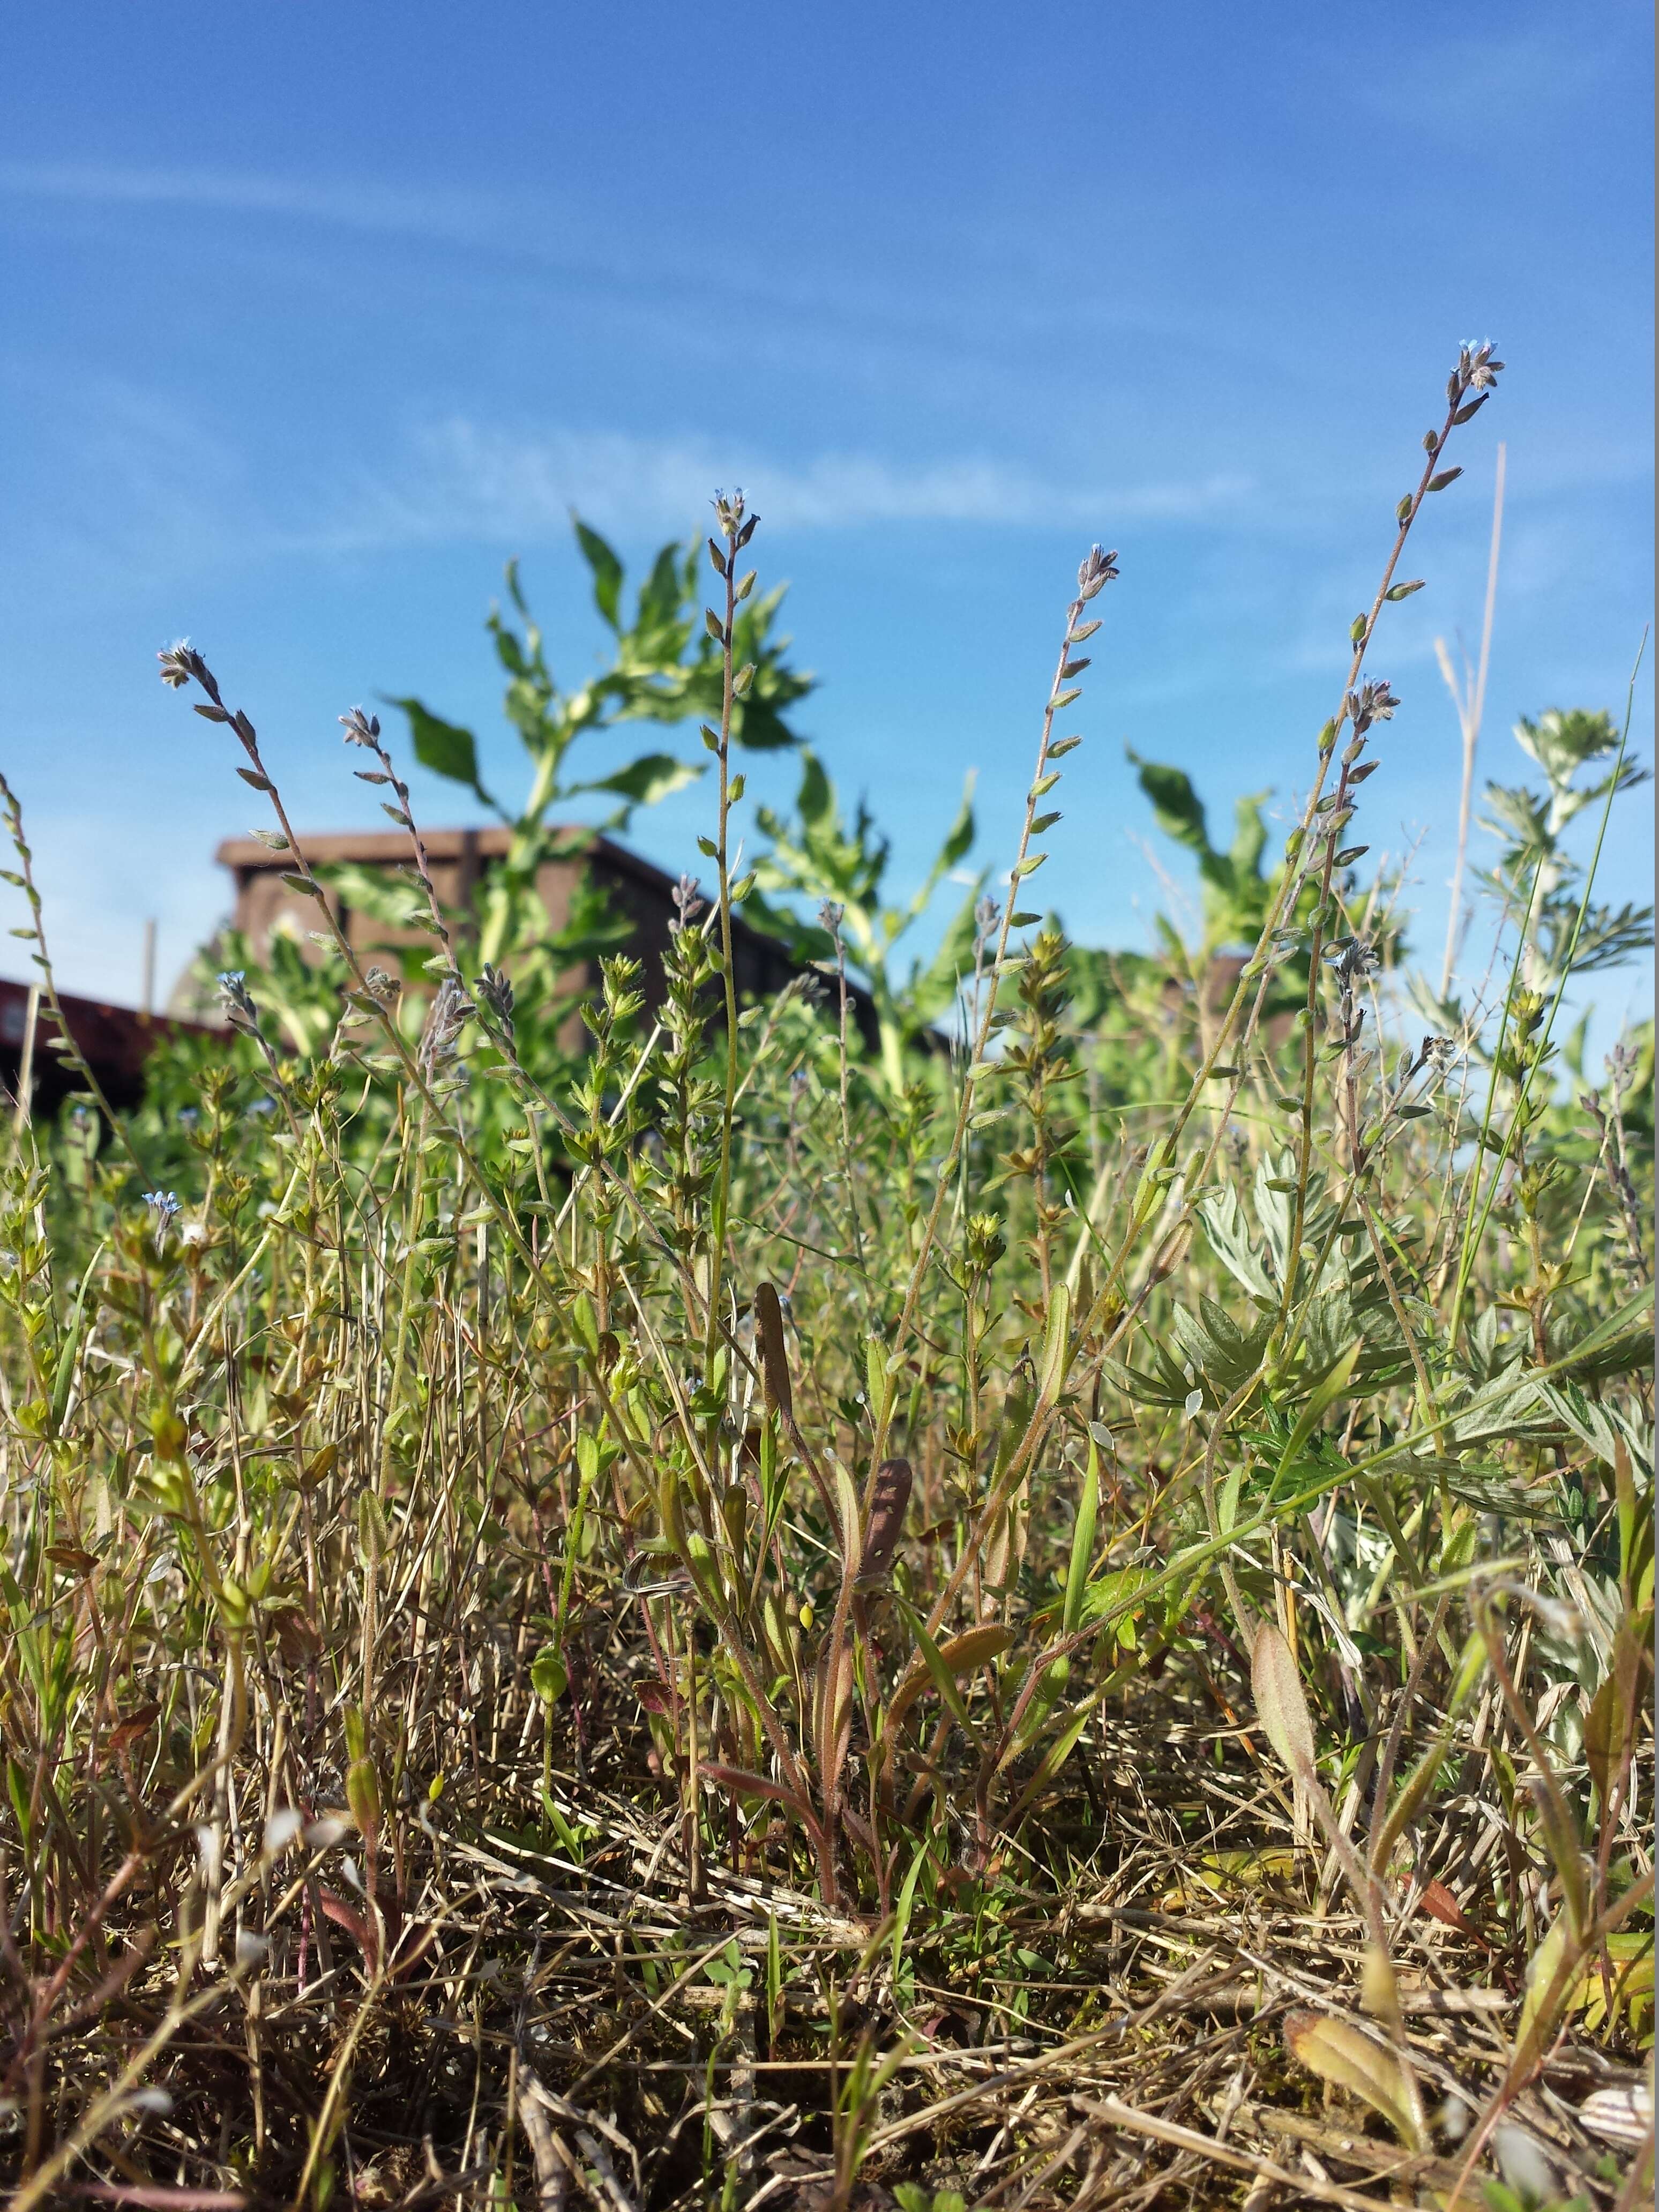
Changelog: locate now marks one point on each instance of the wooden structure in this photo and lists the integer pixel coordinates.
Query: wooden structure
(116, 1042)
(641, 894)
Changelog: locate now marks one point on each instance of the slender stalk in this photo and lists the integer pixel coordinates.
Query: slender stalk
(1353, 710)
(624, 1535)
(830, 915)
(1470, 710)
(20, 1117)
(1097, 570)
(1475, 1227)
(737, 532)
(48, 982)
(1256, 976)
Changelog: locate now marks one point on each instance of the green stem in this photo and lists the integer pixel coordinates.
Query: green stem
(1473, 1232)
(723, 1180)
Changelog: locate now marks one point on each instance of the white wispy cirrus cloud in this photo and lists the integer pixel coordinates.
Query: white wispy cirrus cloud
(467, 480)
(365, 204)
(1453, 86)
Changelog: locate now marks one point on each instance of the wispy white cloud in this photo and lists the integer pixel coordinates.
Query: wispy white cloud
(140, 479)
(1455, 85)
(363, 204)
(135, 477)
(470, 480)
(555, 231)
(852, 312)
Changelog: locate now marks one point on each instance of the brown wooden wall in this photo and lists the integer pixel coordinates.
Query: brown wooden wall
(116, 1042)
(641, 893)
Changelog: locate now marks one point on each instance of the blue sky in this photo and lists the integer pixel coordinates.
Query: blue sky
(314, 314)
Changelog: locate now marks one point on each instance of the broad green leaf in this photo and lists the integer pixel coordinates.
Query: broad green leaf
(905, 1904)
(1566, 1851)
(875, 1377)
(1617, 1324)
(572, 1840)
(1408, 1802)
(665, 592)
(846, 1507)
(1056, 1342)
(73, 1335)
(1083, 1543)
(959, 838)
(444, 747)
(1330, 1388)
(607, 571)
(1055, 1757)
(1547, 1989)
(815, 801)
(1117, 1590)
(1611, 1725)
(645, 780)
(1227, 1504)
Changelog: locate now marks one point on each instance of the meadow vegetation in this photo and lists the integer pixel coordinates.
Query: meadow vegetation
(1053, 1608)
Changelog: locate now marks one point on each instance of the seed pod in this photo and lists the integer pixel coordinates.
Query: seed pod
(889, 1502)
(775, 1363)
(669, 1512)
(734, 1512)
